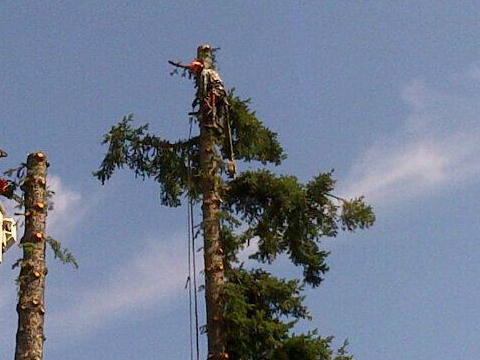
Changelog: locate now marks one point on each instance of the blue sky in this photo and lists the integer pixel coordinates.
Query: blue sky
(387, 93)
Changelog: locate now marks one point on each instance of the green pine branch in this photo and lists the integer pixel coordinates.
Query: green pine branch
(283, 215)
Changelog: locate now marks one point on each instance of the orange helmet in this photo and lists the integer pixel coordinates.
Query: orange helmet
(196, 66)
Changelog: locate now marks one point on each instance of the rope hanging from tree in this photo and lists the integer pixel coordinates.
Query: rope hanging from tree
(192, 267)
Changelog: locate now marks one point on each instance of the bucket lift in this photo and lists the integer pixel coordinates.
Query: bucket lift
(8, 233)
(8, 226)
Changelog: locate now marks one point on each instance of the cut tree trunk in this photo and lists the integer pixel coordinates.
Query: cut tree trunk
(31, 297)
(213, 247)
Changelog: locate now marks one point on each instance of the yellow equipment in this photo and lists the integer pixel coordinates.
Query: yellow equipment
(8, 232)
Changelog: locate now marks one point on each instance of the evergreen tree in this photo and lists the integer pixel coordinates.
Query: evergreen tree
(250, 312)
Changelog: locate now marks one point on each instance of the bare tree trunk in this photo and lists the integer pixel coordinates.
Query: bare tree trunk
(213, 247)
(31, 301)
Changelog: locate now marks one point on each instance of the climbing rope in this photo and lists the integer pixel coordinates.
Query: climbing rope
(197, 334)
(189, 283)
(232, 168)
(192, 265)
(211, 103)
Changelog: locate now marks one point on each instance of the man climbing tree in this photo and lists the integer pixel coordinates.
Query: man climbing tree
(250, 313)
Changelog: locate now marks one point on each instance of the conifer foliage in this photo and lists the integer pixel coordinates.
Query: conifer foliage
(278, 212)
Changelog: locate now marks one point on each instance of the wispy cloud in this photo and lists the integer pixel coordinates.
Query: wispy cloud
(68, 211)
(437, 146)
(68, 208)
(153, 277)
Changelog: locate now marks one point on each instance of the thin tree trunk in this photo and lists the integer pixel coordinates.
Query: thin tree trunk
(213, 248)
(31, 301)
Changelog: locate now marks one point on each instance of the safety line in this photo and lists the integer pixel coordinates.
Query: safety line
(191, 259)
(189, 282)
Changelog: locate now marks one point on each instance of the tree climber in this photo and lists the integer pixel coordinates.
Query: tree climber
(211, 96)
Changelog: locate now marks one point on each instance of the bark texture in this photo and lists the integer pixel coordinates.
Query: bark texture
(31, 301)
(213, 247)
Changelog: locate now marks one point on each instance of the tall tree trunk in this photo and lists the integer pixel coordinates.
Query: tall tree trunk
(213, 248)
(31, 301)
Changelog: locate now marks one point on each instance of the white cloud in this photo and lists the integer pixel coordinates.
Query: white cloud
(436, 147)
(153, 277)
(250, 249)
(68, 209)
